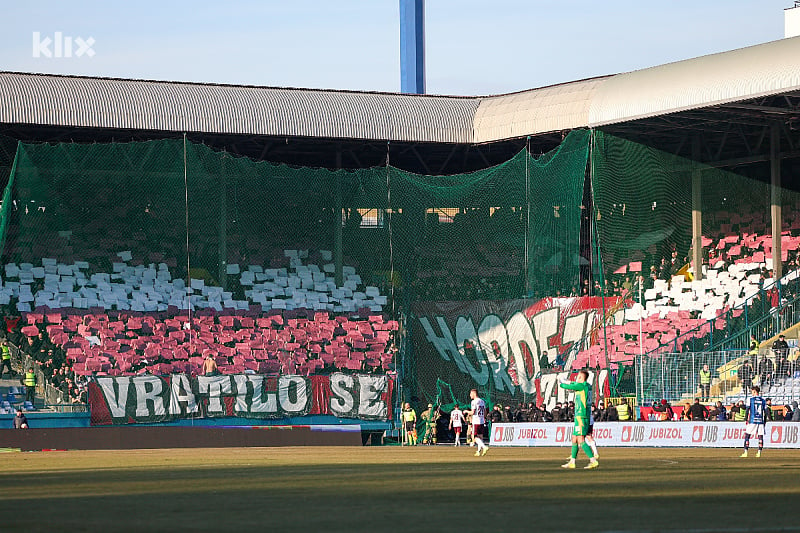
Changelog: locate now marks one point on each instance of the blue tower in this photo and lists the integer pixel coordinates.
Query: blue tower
(412, 46)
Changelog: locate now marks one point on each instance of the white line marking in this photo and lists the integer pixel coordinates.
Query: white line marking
(710, 530)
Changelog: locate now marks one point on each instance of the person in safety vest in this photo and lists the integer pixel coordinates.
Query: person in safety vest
(705, 383)
(624, 411)
(30, 385)
(409, 418)
(5, 359)
(739, 412)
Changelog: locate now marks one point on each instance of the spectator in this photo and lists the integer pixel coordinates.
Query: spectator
(753, 352)
(698, 411)
(766, 369)
(770, 414)
(544, 362)
(746, 375)
(738, 412)
(30, 385)
(718, 413)
(686, 414)
(598, 412)
(795, 412)
(570, 412)
(624, 411)
(783, 367)
(660, 410)
(5, 359)
(556, 413)
(496, 414)
(210, 366)
(20, 421)
(780, 348)
(705, 383)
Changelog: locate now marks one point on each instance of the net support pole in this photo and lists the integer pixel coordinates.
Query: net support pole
(5, 211)
(222, 249)
(526, 271)
(775, 197)
(697, 211)
(337, 225)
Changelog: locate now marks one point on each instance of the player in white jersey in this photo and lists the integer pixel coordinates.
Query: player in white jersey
(478, 411)
(456, 422)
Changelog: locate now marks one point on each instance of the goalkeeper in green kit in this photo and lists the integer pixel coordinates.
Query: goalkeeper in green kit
(583, 395)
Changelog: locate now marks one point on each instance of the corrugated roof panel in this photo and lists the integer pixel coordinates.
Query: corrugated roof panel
(557, 108)
(134, 104)
(741, 74)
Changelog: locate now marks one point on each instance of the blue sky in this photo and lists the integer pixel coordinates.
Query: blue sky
(473, 47)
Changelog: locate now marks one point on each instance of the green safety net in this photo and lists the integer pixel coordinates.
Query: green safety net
(508, 231)
(643, 214)
(643, 211)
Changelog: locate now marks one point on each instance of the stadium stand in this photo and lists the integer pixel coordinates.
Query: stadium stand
(77, 323)
(675, 311)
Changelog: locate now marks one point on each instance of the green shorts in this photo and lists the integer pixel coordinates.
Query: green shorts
(581, 427)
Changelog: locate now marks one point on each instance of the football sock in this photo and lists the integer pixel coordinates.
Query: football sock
(479, 443)
(746, 441)
(587, 450)
(593, 446)
(574, 450)
(760, 442)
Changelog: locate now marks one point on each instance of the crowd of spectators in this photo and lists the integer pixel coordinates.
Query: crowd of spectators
(50, 359)
(561, 412)
(718, 412)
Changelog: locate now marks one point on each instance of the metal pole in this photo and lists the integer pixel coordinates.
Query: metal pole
(775, 198)
(222, 251)
(697, 211)
(641, 348)
(527, 217)
(337, 224)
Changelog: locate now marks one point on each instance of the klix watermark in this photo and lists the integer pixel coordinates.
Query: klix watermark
(61, 46)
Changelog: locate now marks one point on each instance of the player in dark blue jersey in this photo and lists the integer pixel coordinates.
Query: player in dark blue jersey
(756, 420)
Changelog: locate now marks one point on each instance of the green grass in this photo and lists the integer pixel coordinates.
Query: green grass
(409, 489)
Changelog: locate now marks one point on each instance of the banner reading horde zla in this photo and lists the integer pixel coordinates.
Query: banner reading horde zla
(148, 399)
(501, 347)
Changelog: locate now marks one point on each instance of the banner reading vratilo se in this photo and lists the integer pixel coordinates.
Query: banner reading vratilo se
(148, 399)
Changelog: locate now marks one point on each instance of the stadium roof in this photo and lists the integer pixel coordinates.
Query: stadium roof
(73, 101)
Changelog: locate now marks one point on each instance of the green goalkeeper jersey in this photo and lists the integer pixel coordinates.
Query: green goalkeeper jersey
(583, 394)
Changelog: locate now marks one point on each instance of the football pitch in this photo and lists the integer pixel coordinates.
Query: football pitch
(398, 489)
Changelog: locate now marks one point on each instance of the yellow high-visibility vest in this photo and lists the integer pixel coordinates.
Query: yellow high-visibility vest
(30, 379)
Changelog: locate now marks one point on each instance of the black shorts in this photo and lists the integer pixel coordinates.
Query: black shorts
(410, 426)
(589, 431)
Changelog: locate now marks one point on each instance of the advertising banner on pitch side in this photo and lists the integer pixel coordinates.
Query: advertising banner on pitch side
(644, 434)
